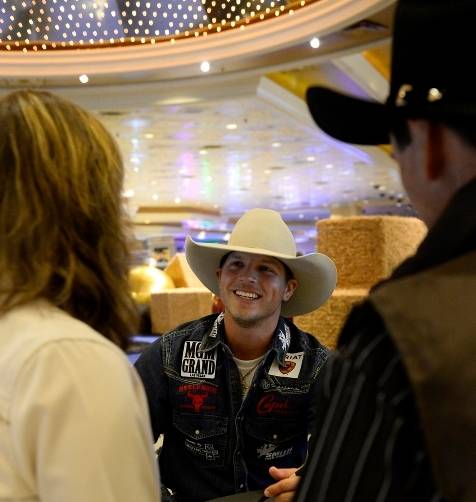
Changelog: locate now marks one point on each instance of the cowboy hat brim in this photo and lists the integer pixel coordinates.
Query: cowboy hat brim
(316, 273)
(347, 118)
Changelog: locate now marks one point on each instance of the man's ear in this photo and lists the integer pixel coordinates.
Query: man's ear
(290, 288)
(218, 273)
(429, 136)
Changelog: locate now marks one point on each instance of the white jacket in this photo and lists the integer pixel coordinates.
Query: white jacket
(74, 423)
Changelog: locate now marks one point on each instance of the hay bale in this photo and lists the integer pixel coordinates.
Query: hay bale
(170, 308)
(366, 249)
(181, 273)
(326, 322)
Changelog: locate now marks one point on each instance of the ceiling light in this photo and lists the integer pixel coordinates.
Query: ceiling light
(311, 158)
(84, 79)
(202, 152)
(205, 66)
(149, 135)
(276, 144)
(315, 43)
(231, 127)
(177, 200)
(155, 196)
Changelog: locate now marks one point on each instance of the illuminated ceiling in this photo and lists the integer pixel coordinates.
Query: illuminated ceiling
(64, 24)
(200, 146)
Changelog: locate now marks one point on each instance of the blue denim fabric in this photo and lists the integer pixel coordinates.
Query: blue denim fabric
(215, 443)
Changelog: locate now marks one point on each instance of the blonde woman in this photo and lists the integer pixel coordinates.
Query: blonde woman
(73, 419)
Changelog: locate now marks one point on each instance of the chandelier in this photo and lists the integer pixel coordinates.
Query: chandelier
(41, 25)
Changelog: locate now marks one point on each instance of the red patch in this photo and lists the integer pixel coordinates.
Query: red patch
(287, 368)
(198, 395)
(272, 404)
(198, 399)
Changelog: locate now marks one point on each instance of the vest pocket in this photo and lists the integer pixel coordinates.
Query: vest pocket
(280, 442)
(204, 437)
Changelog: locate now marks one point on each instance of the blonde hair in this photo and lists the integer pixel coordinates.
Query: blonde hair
(62, 223)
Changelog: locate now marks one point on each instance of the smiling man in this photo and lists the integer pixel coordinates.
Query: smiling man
(233, 393)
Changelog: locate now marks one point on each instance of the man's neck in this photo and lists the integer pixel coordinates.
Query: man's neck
(249, 342)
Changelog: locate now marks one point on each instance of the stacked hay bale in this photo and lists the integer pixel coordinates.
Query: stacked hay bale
(365, 249)
(190, 299)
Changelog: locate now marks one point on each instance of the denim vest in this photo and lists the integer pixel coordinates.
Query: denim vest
(216, 443)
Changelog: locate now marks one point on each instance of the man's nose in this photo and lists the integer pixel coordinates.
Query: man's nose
(251, 274)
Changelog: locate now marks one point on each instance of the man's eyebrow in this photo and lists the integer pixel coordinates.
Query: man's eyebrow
(269, 260)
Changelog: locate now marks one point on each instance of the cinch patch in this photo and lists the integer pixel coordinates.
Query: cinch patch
(196, 363)
(290, 369)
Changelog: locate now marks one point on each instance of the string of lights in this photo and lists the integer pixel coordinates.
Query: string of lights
(40, 25)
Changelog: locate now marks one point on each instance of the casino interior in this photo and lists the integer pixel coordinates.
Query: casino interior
(206, 101)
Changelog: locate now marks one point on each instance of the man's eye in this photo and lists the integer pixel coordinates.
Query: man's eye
(267, 269)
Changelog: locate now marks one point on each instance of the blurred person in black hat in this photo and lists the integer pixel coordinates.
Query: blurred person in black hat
(401, 389)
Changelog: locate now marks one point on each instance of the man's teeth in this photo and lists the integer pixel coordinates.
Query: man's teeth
(246, 294)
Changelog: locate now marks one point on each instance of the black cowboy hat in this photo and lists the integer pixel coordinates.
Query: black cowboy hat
(434, 43)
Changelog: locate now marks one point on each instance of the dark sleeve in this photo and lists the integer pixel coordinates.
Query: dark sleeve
(151, 370)
(314, 405)
(366, 445)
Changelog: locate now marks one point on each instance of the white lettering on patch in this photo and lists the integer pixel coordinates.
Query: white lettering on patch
(196, 363)
(291, 368)
(207, 451)
(268, 451)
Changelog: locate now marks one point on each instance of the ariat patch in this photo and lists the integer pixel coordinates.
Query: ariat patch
(196, 363)
(290, 369)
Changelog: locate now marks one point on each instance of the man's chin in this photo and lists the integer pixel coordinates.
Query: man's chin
(246, 321)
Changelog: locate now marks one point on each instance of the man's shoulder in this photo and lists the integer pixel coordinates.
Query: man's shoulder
(305, 339)
(170, 343)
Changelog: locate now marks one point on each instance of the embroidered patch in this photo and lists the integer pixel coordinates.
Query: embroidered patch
(198, 395)
(196, 363)
(206, 451)
(285, 338)
(291, 368)
(274, 404)
(216, 324)
(268, 451)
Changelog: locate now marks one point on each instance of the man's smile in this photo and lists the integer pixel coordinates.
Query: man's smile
(246, 294)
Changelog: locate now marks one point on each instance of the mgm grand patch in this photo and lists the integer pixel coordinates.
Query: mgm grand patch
(198, 364)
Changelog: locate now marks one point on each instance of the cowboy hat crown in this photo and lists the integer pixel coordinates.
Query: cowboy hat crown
(263, 232)
(433, 43)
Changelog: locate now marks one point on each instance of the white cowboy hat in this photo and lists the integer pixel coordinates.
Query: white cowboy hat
(262, 231)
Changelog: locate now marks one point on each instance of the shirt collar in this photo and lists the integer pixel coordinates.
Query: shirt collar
(281, 339)
(215, 335)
